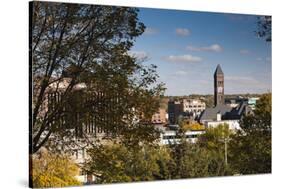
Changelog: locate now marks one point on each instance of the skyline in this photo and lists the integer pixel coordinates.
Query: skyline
(187, 46)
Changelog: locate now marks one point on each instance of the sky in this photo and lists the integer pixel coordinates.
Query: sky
(187, 46)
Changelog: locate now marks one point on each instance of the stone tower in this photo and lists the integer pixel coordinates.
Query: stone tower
(219, 86)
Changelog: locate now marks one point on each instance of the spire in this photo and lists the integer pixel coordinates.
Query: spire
(218, 70)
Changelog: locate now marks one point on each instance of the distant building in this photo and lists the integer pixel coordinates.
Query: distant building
(230, 112)
(193, 106)
(171, 137)
(221, 114)
(252, 102)
(159, 117)
(234, 102)
(175, 108)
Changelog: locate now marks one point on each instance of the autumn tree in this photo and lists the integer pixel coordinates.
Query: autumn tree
(52, 170)
(77, 46)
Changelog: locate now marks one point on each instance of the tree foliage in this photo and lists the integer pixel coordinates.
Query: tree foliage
(214, 137)
(248, 152)
(190, 160)
(264, 27)
(50, 170)
(192, 126)
(75, 44)
(251, 148)
(118, 163)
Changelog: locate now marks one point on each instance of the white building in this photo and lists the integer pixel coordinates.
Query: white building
(194, 106)
(170, 137)
(232, 124)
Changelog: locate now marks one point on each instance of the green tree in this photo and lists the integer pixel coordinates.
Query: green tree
(216, 141)
(87, 44)
(118, 163)
(251, 148)
(214, 137)
(50, 170)
(203, 159)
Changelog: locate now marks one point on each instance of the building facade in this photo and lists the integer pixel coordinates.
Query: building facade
(175, 109)
(193, 106)
(159, 117)
(230, 112)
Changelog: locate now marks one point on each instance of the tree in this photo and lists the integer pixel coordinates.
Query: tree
(216, 141)
(75, 44)
(251, 148)
(192, 126)
(51, 170)
(193, 160)
(117, 163)
(214, 137)
(264, 27)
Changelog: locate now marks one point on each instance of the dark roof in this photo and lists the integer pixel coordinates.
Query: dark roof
(235, 100)
(227, 112)
(218, 70)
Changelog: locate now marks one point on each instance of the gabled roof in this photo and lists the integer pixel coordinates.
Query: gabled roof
(227, 112)
(211, 113)
(218, 70)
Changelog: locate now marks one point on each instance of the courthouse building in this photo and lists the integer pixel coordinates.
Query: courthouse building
(223, 113)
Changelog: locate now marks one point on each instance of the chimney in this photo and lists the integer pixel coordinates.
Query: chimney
(218, 116)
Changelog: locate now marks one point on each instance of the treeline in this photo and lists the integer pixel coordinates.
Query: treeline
(218, 152)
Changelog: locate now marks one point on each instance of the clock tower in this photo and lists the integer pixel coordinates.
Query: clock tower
(219, 86)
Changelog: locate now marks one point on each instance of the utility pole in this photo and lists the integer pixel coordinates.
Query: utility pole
(225, 150)
(225, 140)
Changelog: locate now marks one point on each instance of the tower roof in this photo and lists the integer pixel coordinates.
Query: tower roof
(218, 70)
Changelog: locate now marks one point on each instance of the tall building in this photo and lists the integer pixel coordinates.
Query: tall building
(230, 113)
(175, 108)
(219, 86)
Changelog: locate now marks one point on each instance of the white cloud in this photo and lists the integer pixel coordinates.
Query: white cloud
(181, 73)
(139, 54)
(150, 31)
(182, 31)
(187, 58)
(211, 48)
(259, 59)
(244, 51)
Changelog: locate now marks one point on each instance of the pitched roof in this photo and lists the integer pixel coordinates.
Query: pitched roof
(218, 70)
(227, 112)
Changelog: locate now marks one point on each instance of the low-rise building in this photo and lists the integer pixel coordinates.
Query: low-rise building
(160, 117)
(188, 108)
(222, 114)
(193, 106)
(252, 102)
(234, 102)
(171, 137)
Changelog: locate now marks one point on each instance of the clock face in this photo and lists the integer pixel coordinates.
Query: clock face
(220, 89)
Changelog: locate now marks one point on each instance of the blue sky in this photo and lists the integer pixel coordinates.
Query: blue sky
(187, 46)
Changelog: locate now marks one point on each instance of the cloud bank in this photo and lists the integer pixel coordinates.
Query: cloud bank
(187, 58)
(211, 48)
